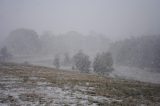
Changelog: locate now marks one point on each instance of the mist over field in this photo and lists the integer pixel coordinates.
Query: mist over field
(35, 32)
(79, 52)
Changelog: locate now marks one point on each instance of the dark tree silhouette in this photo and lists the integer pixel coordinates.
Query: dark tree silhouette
(23, 42)
(56, 62)
(4, 54)
(82, 62)
(103, 63)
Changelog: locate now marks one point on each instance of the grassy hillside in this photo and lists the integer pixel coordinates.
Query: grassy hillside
(22, 85)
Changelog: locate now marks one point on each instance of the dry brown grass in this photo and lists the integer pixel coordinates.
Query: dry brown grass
(130, 92)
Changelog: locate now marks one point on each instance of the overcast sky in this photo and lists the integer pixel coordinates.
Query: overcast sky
(114, 18)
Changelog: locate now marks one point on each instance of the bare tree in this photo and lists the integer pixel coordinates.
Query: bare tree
(56, 62)
(4, 54)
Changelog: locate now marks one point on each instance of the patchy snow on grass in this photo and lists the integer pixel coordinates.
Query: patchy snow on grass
(13, 91)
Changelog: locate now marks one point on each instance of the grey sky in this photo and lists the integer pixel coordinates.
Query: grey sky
(114, 18)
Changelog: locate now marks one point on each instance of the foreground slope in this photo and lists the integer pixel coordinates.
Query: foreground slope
(22, 85)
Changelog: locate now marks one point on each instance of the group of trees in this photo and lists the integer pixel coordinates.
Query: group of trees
(23, 42)
(102, 63)
(28, 42)
(143, 52)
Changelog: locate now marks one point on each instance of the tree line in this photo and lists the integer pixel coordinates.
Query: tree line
(143, 52)
(27, 42)
(102, 63)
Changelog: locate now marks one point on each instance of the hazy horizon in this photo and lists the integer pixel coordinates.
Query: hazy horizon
(113, 18)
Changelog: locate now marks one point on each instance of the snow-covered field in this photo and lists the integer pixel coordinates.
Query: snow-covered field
(13, 91)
